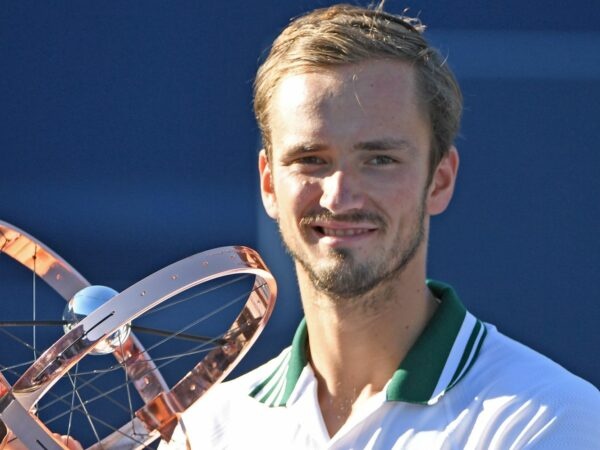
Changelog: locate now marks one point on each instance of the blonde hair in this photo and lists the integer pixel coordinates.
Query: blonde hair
(345, 34)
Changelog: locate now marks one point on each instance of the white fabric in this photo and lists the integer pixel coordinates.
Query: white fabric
(512, 398)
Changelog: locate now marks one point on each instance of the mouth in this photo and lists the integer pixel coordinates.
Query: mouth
(336, 235)
(342, 232)
(342, 229)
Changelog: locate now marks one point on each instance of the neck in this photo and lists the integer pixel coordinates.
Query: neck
(357, 345)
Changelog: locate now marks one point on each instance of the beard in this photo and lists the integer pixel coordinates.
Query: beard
(344, 276)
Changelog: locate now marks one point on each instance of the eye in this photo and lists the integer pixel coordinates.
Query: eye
(381, 160)
(309, 160)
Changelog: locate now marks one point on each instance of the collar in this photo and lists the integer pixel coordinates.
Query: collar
(442, 355)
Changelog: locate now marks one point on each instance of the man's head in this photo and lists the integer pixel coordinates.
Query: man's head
(351, 169)
(345, 34)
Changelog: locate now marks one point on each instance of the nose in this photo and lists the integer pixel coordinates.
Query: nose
(341, 192)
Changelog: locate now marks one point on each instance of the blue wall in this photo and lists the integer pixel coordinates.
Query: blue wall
(127, 142)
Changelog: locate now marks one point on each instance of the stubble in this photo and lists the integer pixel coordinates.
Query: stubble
(345, 278)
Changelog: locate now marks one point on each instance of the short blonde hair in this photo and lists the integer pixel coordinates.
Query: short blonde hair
(345, 34)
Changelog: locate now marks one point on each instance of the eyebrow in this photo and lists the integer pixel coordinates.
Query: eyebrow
(372, 145)
(384, 144)
(304, 148)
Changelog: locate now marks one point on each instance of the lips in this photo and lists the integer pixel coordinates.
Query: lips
(342, 227)
(343, 232)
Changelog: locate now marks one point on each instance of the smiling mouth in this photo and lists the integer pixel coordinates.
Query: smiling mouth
(343, 232)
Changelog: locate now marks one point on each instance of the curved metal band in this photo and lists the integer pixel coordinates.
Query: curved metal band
(34, 255)
(65, 280)
(161, 412)
(32, 432)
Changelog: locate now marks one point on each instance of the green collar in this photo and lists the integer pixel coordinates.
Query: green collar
(439, 359)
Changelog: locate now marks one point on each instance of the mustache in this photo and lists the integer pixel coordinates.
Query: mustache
(352, 217)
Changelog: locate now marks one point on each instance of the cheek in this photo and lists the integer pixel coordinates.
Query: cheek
(399, 191)
(401, 201)
(297, 194)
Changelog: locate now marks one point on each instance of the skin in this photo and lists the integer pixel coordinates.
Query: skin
(68, 442)
(347, 183)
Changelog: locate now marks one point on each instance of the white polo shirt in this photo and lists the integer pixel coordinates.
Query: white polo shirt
(463, 385)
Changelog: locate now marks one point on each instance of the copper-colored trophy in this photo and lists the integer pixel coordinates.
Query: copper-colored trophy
(98, 320)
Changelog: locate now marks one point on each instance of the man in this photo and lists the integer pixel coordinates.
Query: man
(358, 116)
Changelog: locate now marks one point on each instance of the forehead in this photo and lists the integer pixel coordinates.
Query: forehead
(372, 97)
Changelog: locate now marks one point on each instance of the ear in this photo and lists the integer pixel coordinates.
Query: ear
(266, 185)
(442, 183)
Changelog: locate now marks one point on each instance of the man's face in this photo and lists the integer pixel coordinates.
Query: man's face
(347, 180)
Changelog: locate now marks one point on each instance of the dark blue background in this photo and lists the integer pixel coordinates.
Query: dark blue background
(127, 142)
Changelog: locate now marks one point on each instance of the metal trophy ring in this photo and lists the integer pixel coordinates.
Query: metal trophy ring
(162, 405)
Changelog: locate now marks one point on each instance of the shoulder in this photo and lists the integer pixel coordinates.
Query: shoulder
(254, 379)
(530, 398)
(233, 392)
(227, 412)
(517, 368)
